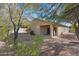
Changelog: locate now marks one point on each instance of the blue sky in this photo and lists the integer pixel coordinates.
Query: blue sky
(45, 10)
(30, 13)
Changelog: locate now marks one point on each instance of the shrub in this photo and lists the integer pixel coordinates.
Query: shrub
(32, 33)
(24, 50)
(38, 39)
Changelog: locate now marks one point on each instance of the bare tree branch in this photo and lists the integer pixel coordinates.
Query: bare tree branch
(19, 21)
(10, 15)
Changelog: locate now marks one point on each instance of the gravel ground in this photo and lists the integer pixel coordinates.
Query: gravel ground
(2, 44)
(65, 45)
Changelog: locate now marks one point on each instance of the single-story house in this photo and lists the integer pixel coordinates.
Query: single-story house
(43, 27)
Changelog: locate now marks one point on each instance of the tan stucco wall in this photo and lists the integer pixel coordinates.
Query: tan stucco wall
(51, 31)
(35, 26)
(43, 29)
(62, 30)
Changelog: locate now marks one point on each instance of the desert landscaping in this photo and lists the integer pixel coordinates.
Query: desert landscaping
(40, 29)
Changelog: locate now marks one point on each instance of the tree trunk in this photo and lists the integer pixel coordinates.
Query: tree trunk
(15, 39)
(77, 30)
(77, 33)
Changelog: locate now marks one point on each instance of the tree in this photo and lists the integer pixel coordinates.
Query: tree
(49, 11)
(5, 25)
(3, 30)
(26, 24)
(71, 13)
(16, 13)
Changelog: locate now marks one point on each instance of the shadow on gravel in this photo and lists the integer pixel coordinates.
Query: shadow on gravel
(59, 49)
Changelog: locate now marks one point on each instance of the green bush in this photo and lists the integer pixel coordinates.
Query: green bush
(38, 39)
(23, 49)
(73, 27)
(32, 33)
(26, 24)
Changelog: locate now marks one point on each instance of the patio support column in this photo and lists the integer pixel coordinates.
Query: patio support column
(51, 31)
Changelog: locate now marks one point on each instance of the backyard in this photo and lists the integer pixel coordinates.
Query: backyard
(65, 45)
(40, 29)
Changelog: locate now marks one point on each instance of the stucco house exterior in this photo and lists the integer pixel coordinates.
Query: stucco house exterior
(43, 27)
